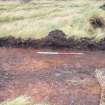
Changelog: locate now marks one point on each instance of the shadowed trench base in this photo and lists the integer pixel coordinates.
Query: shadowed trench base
(58, 79)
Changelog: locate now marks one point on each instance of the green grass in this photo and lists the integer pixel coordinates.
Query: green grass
(38, 17)
(22, 100)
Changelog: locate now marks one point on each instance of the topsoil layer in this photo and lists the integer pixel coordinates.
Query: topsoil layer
(55, 40)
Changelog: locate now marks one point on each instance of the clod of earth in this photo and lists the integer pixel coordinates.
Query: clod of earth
(56, 38)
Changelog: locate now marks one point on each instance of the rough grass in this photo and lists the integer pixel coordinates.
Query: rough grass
(100, 75)
(37, 18)
(22, 100)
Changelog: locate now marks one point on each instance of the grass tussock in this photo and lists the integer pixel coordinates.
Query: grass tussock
(35, 19)
(100, 75)
(22, 100)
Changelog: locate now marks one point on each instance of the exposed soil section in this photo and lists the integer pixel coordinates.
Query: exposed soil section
(60, 80)
(56, 40)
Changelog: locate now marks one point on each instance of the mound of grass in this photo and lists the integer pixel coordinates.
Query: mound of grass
(100, 75)
(22, 100)
(37, 18)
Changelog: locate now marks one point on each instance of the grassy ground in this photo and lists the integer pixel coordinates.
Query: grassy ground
(36, 18)
(22, 100)
(18, 101)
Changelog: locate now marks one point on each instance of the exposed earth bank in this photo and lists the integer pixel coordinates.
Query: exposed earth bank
(55, 40)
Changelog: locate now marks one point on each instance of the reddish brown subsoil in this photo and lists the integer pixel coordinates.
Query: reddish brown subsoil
(58, 79)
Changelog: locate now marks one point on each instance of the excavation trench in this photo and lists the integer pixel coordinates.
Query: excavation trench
(55, 69)
(58, 79)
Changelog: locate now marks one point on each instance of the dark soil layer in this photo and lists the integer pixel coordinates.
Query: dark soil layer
(55, 40)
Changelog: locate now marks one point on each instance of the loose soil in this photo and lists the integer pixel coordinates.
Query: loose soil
(60, 80)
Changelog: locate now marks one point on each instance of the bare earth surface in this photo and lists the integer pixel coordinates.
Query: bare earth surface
(58, 79)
